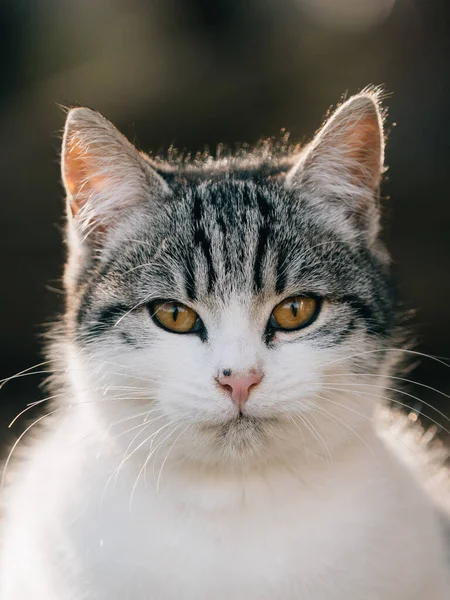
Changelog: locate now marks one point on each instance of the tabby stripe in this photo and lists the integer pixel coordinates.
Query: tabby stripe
(264, 232)
(203, 242)
(264, 207)
(189, 277)
(281, 271)
(95, 278)
(329, 334)
(226, 254)
(365, 312)
(105, 318)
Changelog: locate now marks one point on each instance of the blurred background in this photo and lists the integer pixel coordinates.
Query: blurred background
(196, 72)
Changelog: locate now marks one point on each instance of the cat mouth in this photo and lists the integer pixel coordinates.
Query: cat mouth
(241, 426)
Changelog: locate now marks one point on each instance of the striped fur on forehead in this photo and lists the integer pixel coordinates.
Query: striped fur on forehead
(216, 240)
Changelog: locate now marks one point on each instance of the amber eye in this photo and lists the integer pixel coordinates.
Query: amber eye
(294, 312)
(174, 316)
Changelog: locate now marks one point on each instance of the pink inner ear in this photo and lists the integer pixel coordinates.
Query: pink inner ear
(364, 150)
(74, 167)
(349, 148)
(80, 175)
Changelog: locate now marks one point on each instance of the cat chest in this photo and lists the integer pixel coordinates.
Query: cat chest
(196, 554)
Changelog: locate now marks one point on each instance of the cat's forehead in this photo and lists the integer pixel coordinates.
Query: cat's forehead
(239, 204)
(230, 234)
(235, 237)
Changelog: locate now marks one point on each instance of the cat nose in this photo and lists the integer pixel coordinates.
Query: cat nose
(239, 385)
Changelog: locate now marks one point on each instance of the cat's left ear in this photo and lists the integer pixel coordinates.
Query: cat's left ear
(341, 168)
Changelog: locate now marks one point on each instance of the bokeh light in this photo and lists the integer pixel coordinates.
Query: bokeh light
(349, 15)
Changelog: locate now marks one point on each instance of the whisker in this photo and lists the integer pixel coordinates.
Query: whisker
(412, 352)
(394, 377)
(3, 382)
(167, 455)
(41, 418)
(24, 372)
(126, 454)
(141, 470)
(32, 405)
(120, 421)
(38, 402)
(129, 454)
(398, 438)
(396, 391)
(321, 440)
(115, 473)
(312, 430)
(21, 436)
(388, 399)
(356, 412)
(346, 425)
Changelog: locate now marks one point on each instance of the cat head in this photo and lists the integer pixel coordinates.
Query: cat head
(245, 302)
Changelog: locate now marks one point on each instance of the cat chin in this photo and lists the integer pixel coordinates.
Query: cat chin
(240, 441)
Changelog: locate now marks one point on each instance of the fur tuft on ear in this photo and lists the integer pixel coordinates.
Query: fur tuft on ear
(103, 173)
(344, 162)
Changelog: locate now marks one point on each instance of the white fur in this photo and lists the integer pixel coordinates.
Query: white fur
(289, 517)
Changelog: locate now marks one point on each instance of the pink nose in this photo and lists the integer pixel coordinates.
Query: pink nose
(239, 385)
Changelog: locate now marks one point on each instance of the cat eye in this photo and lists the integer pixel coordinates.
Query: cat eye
(294, 313)
(174, 316)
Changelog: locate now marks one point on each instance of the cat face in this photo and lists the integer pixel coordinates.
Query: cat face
(246, 308)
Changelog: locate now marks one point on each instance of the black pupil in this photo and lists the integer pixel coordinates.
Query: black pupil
(175, 311)
(294, 308)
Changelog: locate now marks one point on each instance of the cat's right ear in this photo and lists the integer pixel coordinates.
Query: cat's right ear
(105, 177)
(340, 169)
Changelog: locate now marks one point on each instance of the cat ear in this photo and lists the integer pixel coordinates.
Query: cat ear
(344, 162)
(103, 174)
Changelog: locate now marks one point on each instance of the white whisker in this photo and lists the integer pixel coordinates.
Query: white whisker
(142, 469)
(167, 455)
(389, 398)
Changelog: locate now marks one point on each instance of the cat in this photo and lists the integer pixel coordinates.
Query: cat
(230, 328)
